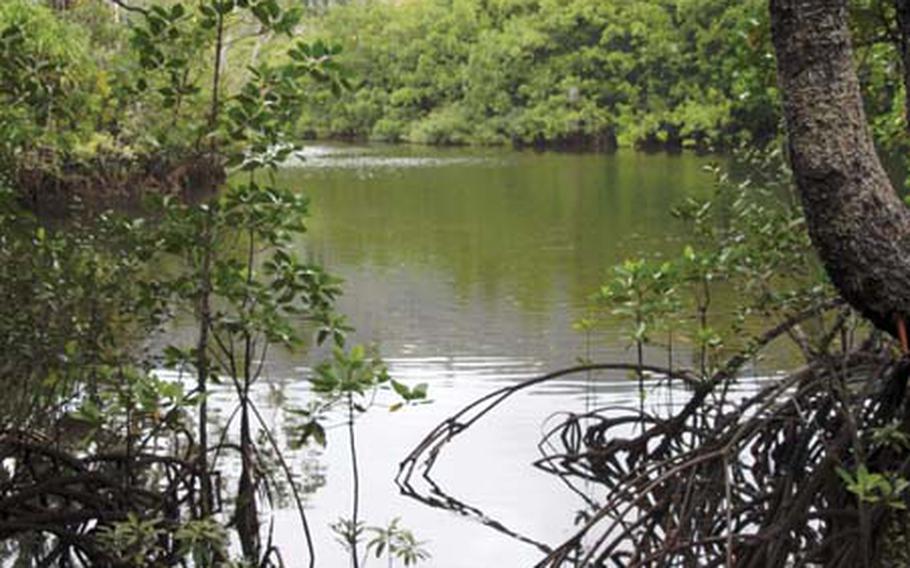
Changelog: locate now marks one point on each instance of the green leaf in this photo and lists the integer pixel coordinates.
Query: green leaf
(400, 389)
(313, 431)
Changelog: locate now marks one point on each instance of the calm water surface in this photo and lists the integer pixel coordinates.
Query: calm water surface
(467, 268)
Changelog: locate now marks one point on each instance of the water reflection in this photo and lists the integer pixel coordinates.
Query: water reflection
(507, 232)
(468, 268)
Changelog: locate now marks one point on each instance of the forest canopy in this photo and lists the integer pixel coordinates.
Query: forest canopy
(594, 74)
(589, 73)
(572, 73)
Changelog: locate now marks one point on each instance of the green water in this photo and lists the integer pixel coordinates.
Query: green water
(502, 222)
(499, 244)
(468, 268)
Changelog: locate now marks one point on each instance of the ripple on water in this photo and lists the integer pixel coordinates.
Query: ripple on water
(363, 158)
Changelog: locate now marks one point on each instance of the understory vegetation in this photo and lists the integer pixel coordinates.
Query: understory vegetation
(111, 454)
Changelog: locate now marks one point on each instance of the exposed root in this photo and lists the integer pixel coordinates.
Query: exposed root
(50, 492)
(48, 184)
(766, 480)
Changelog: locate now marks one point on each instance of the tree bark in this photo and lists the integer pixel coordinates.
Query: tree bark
(858, 224)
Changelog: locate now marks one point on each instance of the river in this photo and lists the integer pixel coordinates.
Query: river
(467, 268)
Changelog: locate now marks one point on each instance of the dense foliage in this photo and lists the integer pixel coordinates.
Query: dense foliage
(575, 73)
(108, 459)
(578, 73)
(558, 73)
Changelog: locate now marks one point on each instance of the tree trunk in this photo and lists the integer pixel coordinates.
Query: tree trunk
(858, 224)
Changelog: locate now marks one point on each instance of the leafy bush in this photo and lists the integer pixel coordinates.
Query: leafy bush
(445, 126)
(48, 82)
(582, 72)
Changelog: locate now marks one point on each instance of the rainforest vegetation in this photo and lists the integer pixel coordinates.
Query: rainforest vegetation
(574, 73)
(578, 74)
(583, 73)
(141, 145)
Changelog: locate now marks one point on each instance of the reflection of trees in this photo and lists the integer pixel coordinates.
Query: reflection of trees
(523, 227)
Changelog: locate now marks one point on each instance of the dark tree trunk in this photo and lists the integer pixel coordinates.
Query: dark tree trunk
(857, 222)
